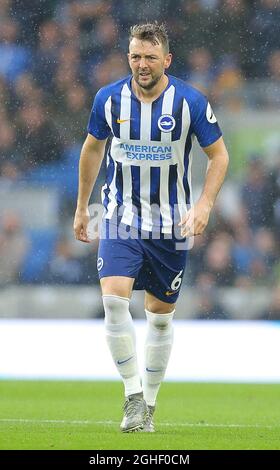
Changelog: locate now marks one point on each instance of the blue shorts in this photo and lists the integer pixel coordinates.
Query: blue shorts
(157, 265)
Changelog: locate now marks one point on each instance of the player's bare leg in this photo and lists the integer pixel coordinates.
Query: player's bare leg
(152, 304)
(117, 285)
(157, 350)
(120, 334)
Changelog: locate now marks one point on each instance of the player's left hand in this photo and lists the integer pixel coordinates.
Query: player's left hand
(196, 219)
(81, 221)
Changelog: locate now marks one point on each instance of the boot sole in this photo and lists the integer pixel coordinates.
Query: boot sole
(137, 428)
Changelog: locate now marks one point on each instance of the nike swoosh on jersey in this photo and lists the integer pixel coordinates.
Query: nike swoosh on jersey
(120, 121)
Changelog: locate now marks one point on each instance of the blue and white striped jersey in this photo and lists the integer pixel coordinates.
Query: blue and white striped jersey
(149, 161)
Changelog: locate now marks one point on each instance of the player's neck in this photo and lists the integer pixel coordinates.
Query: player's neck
(147, 96)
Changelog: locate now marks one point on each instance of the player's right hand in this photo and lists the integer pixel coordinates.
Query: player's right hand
(81, 221)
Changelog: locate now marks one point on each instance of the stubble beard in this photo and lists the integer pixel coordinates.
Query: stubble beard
(149, 85)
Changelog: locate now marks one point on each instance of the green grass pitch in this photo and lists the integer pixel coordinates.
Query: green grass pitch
(86, 415)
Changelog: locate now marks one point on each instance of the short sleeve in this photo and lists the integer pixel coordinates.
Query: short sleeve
(97, 124)
(203, 121)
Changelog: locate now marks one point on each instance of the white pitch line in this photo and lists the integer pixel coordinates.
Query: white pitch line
(109, 423)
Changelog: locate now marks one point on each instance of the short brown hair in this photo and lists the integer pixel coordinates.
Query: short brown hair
(152, 32)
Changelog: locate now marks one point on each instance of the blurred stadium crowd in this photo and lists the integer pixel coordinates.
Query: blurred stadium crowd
(55, 55)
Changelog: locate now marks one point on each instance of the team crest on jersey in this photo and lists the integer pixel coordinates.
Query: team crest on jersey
(100, 264)
(166, 123)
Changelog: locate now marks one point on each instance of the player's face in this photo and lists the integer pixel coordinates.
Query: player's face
(147, 62)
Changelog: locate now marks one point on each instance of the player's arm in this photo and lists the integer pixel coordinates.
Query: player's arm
(89, 166)
(197, 218)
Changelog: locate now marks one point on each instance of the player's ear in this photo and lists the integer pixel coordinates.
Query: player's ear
(128, 59)
(167, 60)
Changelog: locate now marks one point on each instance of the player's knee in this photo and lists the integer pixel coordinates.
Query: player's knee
(160, 321)
(116, 308)
(159, 307)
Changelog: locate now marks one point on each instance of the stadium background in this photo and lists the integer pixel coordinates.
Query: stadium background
(54, 56)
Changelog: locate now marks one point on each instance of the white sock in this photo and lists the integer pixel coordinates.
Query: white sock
(121, 340)
(158, 346)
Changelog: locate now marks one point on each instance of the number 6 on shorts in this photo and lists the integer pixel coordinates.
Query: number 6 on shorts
(176, 281)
